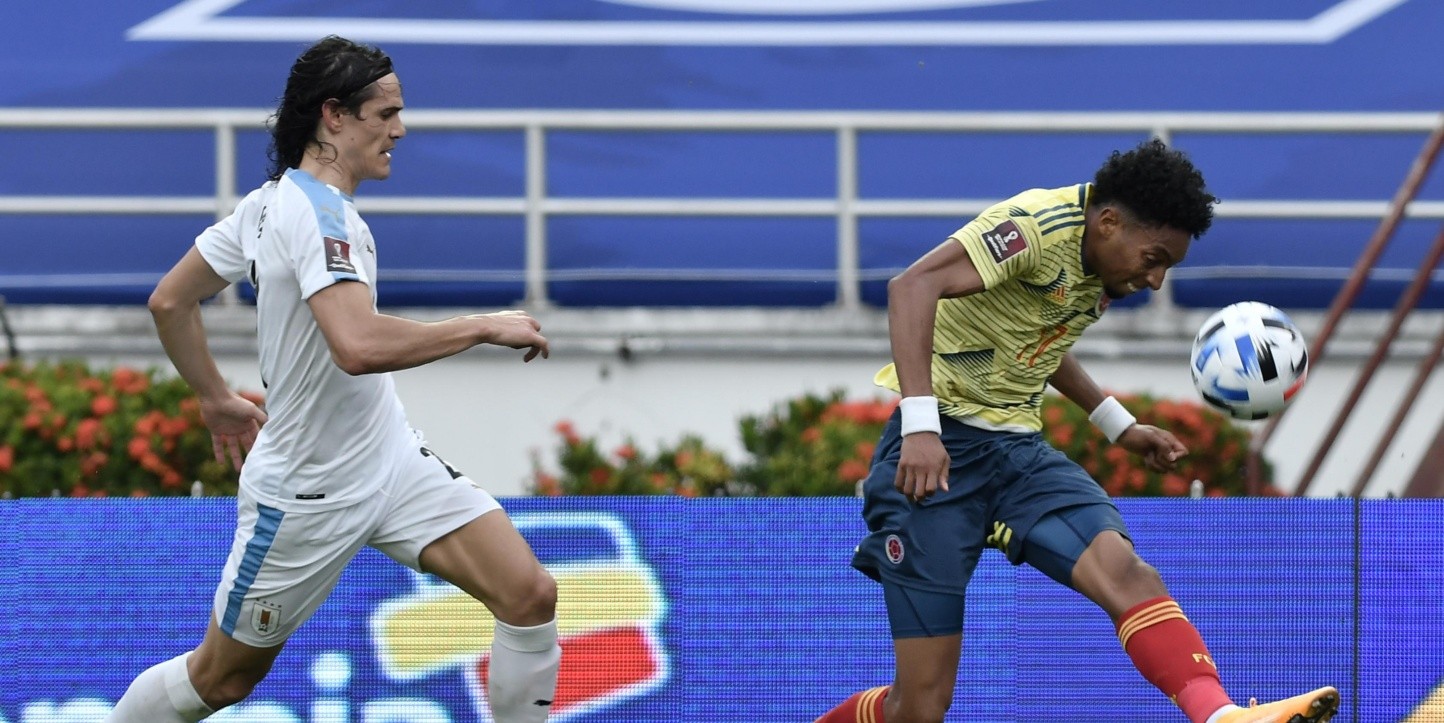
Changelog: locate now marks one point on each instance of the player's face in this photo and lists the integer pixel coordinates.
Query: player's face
(1137, 256)
(367, 137)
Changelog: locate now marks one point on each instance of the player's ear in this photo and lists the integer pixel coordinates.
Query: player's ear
(1110, 220)
(331, 112)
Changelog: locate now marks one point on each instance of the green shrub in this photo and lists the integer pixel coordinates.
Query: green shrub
(822, 445)
(69, 430)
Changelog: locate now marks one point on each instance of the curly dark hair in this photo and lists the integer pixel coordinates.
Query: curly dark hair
(333, 69)
(1158, 185)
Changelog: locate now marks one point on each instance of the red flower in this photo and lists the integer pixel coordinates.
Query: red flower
(627, 452)
(7, 458)
(852, 470)
(138, 447)
(88, 433)
(103, 406)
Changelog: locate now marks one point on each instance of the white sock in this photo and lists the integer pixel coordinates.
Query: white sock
(1219, 713)
(522, 675)
(162, 694)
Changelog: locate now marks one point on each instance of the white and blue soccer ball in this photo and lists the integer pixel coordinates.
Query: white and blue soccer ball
(1249, 359)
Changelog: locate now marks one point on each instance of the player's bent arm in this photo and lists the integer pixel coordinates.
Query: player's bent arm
(175, 305)
(912, 303)
(363, 341)
(1072, 381)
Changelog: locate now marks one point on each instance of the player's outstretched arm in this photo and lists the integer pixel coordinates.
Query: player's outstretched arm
(1159, 449)
(175, 305)
(363, 341)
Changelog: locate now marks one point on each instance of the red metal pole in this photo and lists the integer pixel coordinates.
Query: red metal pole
(1421, 377)
(1406, 304)
(1379, 241)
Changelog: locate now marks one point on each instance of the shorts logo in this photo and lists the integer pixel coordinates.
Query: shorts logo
(1005, 241)
(894, 548)
(266, 618)
(338, 256)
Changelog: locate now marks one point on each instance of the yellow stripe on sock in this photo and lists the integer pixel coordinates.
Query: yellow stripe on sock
(865, 705)
(1150, 618)
(1138, 622)
(1132, 629)
(1149, 612)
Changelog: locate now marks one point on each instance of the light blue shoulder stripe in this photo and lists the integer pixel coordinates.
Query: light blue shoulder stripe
(329, 205)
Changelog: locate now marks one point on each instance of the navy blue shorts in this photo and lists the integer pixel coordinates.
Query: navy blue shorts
(1000, 486)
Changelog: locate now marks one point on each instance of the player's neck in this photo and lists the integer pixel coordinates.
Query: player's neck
(331, 173)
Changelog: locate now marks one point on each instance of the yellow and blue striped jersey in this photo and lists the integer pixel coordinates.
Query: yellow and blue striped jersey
(994, 351)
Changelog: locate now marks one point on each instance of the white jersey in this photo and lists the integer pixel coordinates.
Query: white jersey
(333, 439)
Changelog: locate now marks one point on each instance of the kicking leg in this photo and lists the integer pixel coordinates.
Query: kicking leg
(489, 560)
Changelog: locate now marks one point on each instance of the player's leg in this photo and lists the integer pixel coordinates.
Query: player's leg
(281, 567)
(447, 526)
(924, 593)
(1163, 644)
(1074, 534)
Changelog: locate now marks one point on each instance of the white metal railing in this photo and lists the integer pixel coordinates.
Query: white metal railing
(536, 205)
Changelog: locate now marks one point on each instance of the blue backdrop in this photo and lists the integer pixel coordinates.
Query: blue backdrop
(1225, 55)
(734, 610)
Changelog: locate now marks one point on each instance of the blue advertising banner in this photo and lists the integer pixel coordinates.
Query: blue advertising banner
(733, 610)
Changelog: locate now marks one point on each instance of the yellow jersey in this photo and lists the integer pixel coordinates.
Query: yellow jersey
(994, 351)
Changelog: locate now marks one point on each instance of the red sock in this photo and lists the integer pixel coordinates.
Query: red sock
(864, 707)
(1169, 652)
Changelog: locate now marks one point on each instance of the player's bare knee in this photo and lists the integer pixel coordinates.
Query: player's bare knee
(531, 604)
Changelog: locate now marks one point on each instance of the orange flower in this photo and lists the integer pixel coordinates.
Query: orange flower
(547, 485)
(103, 406)
(626, 452)
(65, 444)
(599, 475)
(812, 435)
(852, 470)
(568, 433)
(7, 458)
(138, 447)
(865, 449)
(174, 427)
(32, 421)
(1174, 485)
(171, 479)
(684, 459)
(88, 433)
(93, 463)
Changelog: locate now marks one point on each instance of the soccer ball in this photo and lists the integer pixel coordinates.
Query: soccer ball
(1249, 360)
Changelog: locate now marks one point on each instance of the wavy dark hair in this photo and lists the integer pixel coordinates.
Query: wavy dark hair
(333, 69)
(1159, 185)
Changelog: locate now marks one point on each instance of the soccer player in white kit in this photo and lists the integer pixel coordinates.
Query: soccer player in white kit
(335, 466)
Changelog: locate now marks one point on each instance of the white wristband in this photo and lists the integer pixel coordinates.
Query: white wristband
(1112, 419)
(920, 414)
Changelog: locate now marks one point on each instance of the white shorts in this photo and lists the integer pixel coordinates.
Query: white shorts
(283, 565)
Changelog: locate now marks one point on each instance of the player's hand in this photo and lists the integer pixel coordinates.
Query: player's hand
(516, 330)
(923, 466)
(1159, 449)
(234, 422)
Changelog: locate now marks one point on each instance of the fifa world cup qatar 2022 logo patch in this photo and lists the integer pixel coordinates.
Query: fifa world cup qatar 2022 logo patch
(338, 256)
(1005, 241)
(610, 608)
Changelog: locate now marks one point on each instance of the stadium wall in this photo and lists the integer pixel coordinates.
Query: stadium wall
(730, 610)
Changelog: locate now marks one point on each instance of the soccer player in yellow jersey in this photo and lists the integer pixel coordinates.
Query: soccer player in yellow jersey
(979, 326)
